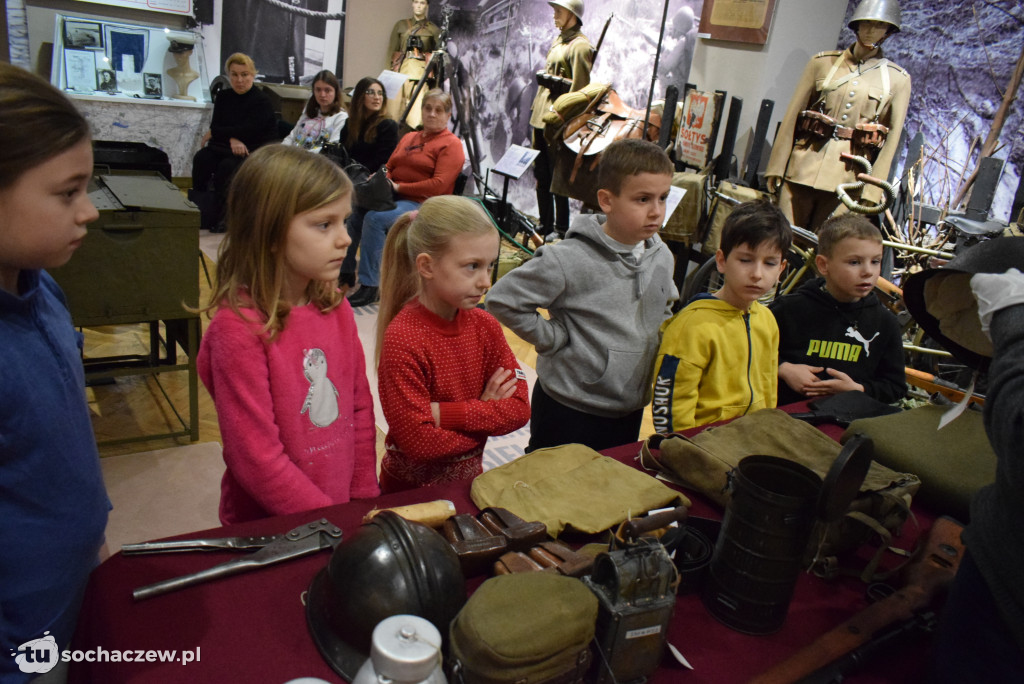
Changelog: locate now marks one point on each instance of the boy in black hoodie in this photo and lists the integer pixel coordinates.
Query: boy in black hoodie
(834, 334)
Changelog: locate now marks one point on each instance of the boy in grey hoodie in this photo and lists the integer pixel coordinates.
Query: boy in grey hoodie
(607, 288)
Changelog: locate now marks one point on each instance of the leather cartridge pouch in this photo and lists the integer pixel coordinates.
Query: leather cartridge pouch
(868, 136)
(521, 535)
(550, 556)
(814, 124)
(476, 547)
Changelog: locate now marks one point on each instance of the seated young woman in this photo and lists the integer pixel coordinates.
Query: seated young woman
(425, 164)
(323, 118)
(370, 137)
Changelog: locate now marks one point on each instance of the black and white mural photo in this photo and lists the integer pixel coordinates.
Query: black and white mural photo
(961, 57)
(501, 44)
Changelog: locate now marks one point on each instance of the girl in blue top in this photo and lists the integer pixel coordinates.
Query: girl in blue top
(53, 505)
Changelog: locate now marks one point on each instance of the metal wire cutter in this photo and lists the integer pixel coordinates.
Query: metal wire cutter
(302, 541)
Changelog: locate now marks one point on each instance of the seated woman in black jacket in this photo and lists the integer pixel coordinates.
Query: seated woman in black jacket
(370, 137)
(243, 120)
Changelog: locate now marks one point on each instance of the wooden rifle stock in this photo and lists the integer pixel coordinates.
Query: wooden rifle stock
(933, 570)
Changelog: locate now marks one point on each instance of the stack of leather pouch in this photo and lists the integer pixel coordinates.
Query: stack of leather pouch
(532, 628)
(636, 591)
(549, 556)
(814, 124)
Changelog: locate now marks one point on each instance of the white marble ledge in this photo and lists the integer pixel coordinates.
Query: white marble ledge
(115, 99)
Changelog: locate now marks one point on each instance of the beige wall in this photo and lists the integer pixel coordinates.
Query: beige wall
(368, 25)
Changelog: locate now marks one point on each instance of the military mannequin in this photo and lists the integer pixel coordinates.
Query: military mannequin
(412, 41)
(568, 65)
(853, 100)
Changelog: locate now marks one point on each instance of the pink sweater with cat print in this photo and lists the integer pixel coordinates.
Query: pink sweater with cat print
(295, 413)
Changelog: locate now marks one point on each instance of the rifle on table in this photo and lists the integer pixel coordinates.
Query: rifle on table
(930, 573)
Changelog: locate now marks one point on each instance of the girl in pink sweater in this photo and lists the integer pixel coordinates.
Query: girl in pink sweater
(281, 357)
(447, 377)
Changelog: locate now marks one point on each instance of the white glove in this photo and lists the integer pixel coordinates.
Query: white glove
(995, 291)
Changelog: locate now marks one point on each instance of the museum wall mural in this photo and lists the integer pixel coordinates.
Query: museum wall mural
(961, 57)
(502, 43)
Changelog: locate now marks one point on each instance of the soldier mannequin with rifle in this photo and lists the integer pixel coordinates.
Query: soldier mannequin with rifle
(412, 41)
(567, 68)
(853, 100)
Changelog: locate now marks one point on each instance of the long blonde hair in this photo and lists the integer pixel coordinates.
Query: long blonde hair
(273, 185)
(429, 230)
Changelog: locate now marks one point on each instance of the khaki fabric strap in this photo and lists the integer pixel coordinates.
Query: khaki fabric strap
(828, 86)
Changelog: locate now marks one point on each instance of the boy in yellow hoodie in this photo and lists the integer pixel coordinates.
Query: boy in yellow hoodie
(719, 356)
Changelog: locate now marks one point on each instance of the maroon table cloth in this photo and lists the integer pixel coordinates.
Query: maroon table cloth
(252, 627)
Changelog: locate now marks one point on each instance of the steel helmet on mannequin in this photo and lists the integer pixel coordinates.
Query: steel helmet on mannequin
(574, 6)
(391, 566)
(887, 11)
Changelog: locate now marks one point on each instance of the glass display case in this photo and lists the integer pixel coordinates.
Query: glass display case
(105, 59)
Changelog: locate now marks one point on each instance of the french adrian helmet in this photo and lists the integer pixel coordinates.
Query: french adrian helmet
(391, 566)
(574, 6)
(887, 11)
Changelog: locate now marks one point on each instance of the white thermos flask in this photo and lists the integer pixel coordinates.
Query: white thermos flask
(406, 649)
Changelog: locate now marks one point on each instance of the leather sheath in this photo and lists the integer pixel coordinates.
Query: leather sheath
(476, 547)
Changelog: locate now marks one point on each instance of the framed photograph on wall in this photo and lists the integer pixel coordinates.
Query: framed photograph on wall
(741, 21)
(153, 86)
(86, 35)
(80, 70)
(107, 80)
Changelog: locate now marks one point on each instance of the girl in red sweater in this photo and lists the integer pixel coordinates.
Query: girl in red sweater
(447, 377)
(281, 357)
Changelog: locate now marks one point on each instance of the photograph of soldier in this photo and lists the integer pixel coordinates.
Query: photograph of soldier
(412, 41)
(108, 81)
(854, 100)
(152, 85)
(567, 68)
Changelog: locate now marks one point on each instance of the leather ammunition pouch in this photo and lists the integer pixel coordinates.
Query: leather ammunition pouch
(864, 137)
(636, 592)
(475, 545)
(868, 136)
(814, 124)
(550, 556)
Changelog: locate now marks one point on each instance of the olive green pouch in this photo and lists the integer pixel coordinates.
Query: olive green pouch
(953, 463)
(525, 629)
(571, 486)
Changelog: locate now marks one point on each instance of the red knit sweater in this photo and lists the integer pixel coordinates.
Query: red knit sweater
(426, 358)
(426, 164)
(295, 414)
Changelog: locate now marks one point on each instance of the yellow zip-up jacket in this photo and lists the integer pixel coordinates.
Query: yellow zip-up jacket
(715, 362)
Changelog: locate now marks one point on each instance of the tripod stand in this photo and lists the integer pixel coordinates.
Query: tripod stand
(440, 67)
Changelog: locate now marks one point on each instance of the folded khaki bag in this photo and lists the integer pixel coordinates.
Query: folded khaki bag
(571, 486)
(953, 463)
(703, 462)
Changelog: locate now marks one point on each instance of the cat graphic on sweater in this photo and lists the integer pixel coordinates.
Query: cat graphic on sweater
(322, 399)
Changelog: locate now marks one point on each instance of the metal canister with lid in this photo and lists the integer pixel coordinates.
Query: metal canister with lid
(406, 649)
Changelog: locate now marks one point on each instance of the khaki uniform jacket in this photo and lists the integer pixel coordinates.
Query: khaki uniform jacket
(428, 32)
(571, 56)
(860, 99)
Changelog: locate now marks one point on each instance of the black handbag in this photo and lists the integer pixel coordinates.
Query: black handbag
(372, 191)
